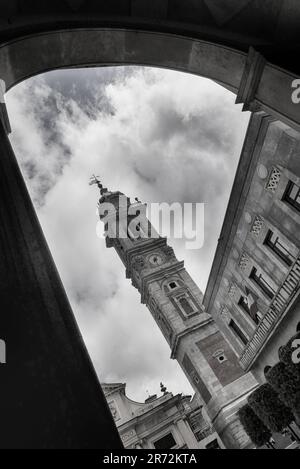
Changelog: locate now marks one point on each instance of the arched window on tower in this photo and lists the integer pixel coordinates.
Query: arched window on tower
(186, 305)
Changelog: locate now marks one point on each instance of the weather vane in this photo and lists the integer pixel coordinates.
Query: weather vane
(95, 180)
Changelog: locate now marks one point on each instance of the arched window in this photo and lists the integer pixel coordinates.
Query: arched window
(186, 305)
(298, 327)
(266, 369)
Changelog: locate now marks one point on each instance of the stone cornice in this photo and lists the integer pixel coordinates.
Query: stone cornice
(258, 125)
(176, 340)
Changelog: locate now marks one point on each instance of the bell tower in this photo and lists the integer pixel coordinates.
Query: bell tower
(172, 297)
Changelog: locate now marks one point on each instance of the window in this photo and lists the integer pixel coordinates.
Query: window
(262, 283)
(292, 195)
(166, 442)
(237, 331)
(243, 303)
(173, 285)
(186, 305)
(276, 245)
(221, 358)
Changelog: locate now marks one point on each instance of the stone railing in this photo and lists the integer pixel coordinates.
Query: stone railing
(276, 310)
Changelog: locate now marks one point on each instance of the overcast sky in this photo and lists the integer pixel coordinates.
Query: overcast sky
(158, 135)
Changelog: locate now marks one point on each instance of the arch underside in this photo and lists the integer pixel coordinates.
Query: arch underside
(104, 47)
(245, 74)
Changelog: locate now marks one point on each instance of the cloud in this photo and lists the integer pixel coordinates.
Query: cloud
(155, 134)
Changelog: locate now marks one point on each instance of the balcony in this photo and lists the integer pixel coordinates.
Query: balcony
(276, 311)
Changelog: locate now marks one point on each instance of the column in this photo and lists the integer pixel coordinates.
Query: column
(187, 434)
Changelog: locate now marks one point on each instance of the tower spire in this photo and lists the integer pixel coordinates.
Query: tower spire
(95, 180)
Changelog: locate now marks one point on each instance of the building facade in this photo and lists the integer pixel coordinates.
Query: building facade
(164, 422)
(253, 288)
(224, 339)
(176, 303)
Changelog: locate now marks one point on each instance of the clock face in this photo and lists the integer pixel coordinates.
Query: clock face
(155, 259)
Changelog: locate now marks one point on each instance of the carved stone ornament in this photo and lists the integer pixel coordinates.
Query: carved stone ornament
(257, 225)
(273, 181)
(138, 263)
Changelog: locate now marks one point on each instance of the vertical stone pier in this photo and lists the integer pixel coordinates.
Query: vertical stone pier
(50, 396)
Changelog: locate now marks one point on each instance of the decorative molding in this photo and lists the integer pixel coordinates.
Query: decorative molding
(253, 70)
(225, 314)
(169, 253)
(273, 180)
(247, 217)
(218, 352)
(128, 435)
(262, 171)
(232, 290)
(244, 261)
(257, 225)
(138, 263)
(168, 270)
